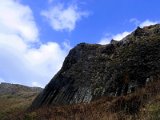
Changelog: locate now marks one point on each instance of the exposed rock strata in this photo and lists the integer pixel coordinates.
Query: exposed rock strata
(92, 70)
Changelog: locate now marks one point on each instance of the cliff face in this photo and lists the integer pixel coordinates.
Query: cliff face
(91, 70)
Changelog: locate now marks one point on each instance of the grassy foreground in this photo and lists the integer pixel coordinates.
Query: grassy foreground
(144, 104)
(15, 99)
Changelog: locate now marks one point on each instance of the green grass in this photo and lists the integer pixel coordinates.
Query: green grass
(154, 110)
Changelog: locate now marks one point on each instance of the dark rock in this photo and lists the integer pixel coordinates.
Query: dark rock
(91, 70)
(113, 41)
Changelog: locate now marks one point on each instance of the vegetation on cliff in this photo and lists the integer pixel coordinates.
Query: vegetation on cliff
(92, 71)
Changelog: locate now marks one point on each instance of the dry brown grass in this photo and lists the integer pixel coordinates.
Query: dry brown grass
(12, 105)
(139, 105)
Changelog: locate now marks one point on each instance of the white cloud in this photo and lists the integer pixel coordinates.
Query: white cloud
(66, 44)
(1, 80)
(117, 37)
(120, 36)
(105, 40)
(137, 22)
(20, 62)
(147, 23)
(50, 1)
(16, 18)
(47, 59)
(134, 21)
(61, 18)
(35, 84)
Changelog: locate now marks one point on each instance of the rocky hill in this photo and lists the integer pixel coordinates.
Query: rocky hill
(8, 88)
(92, 71)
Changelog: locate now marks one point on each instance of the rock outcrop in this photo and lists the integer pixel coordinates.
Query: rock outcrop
(92, 70)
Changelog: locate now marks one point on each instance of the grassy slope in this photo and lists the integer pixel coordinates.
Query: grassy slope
(14, 103)
(144, 104)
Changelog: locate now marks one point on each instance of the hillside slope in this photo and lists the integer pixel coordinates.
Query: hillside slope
(15, 99)
(143, 104)
(92, 71)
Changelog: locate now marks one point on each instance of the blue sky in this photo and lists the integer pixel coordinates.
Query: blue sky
(36, 35)
(105, 16)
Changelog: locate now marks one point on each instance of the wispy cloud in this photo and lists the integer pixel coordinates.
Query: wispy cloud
(63, 18)
(50, 1)
(105, 40)
(135, 21)
(120, 36)
(148, 23)
(1, 80)
(20, 62)
(142, 24)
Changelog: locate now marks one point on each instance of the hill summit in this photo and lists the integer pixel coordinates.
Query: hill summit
(91, 71)
(15, 89)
